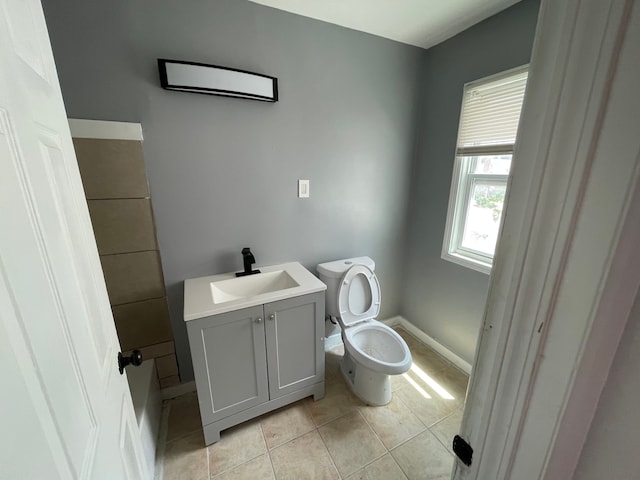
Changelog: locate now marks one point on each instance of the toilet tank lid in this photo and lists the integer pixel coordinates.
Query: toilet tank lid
(337, 268)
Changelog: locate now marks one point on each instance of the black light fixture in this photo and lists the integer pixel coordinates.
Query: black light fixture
(214, 80)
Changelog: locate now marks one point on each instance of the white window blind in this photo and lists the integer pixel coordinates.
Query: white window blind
(486, 137)
(490, 114)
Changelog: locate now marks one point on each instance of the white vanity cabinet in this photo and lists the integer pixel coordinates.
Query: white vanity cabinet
(256, 359)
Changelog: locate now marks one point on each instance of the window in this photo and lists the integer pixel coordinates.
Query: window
(486, 136)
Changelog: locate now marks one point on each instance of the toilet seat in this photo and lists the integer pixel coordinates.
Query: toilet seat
(378, 347)
(351, 278)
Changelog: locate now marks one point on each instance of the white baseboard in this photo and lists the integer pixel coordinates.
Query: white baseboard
(332, 341)
(177, 390)
(430, 342)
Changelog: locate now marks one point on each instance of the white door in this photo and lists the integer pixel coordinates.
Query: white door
(65, 411)
(567, 268)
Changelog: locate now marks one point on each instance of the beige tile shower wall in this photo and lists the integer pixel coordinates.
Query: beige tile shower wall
(155, 351)
(133, 277)
(123, 225)
(143, 323)
(111, 168)
(115, 184)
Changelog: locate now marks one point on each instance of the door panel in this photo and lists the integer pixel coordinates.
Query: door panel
(21, 382)
(229, 362)
(295, 344)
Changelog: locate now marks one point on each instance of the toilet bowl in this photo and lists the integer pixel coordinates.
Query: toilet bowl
(373, 351)
(378, 347)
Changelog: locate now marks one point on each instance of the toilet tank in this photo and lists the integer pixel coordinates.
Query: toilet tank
(331, 272)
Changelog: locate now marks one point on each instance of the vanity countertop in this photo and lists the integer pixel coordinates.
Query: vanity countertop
(234, 293)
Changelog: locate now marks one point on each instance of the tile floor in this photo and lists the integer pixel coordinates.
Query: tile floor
(337, 437)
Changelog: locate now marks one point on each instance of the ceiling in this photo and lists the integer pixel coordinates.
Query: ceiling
(422, 23)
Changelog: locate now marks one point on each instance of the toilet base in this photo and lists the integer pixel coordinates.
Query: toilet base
(373, 388)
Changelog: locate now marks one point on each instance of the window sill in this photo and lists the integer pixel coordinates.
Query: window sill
(471, 263)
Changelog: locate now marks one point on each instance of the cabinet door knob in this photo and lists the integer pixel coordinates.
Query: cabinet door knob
(259, 320)
(272, 316)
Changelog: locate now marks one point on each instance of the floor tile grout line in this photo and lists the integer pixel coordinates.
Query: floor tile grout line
(288, 441)
(440, 441)
(184, 435)
(246, 461)
(234, 466)
(378, 458)
(390, 449)
(291, 439)
(372, 461)
(335, 418)
(447, 416)
(317, 430)
(426, 429)
(273, 469)
(427, 425)
(315, 427)
(428, 388)
(206, 447)
(399, 399)
(373, 430)
(161, 445)
(333, 462)
(406, 474)
(437, 423)
(445, 447)
(306, 408)
(266, 446)
(375, 434)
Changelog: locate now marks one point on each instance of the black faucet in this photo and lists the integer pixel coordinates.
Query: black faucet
(248, 259)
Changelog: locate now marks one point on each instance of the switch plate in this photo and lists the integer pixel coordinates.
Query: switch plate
(303, 188)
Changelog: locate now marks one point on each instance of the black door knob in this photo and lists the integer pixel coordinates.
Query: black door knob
(134, 359)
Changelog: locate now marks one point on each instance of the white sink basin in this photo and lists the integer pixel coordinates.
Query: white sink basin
(251, 285)
(215, 294)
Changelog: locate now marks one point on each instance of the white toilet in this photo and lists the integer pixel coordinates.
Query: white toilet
(372, 350)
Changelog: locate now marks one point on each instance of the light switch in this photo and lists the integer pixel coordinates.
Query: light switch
(303, 188)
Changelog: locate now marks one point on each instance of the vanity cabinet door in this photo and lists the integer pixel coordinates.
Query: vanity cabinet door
(295, 343)
(229, 362)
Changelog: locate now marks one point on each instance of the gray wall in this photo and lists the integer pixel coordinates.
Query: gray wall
(443, 299)
(611, 449)
(223, 172)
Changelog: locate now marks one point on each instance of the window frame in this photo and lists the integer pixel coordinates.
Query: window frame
(459, 201)
(462, 183)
